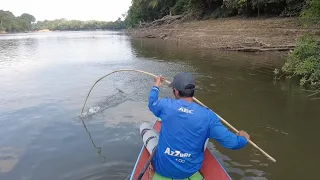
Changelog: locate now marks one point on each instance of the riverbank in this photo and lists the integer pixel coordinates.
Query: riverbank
(44, 30)
(235, 34)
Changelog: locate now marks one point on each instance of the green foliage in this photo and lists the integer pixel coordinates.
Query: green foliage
(26, 22)
(311, 14)
(76, 25)
(28, 17)
(293, 7)
(266, 7)
(149, 10)
(21, 25)
(180, 7)
(304, 61)
(10, 23)
(2, 28)
(7, 20)
(223, 12)
(153, 3)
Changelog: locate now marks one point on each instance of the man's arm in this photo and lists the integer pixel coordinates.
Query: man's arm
(154, 103)
(226, 138)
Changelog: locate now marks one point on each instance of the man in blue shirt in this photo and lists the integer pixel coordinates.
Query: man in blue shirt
(185, 128)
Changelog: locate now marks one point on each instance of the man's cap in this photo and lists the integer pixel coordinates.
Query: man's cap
(183, 81)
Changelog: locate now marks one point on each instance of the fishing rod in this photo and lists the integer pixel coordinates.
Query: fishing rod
(195, 99)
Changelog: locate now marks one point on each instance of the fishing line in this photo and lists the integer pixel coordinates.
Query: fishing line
(99, 149)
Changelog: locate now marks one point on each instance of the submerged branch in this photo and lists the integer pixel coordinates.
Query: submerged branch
(316, 92)
(315, 99)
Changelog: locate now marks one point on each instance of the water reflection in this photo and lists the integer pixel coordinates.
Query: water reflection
(18, 49)
(163, 50)
(9, 157)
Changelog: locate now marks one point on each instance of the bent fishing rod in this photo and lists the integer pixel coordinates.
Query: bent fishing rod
(195, 99)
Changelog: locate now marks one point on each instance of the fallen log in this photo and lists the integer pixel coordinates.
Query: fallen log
(163, 36)
(259, 49)
(149, 36)
(281, 46)
(167, 19)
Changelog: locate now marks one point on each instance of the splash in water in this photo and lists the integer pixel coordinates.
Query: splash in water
(91, 111)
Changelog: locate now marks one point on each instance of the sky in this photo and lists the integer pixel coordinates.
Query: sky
(104, 10)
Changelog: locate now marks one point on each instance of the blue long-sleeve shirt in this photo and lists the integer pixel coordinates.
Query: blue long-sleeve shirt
(185, 128)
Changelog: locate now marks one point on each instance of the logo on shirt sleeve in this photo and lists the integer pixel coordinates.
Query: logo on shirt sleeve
(188, 111)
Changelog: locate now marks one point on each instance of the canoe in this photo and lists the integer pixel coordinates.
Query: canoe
(210, 170)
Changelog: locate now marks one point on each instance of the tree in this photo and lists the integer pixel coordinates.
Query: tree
(311, 14)
(11, 23)
(28, 17)
(76, 25)
(7, 20)
(21, 25)
(1, 27)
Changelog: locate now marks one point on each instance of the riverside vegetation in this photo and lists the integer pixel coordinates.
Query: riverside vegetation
(148, 10)
(27, 22)
(302, 62)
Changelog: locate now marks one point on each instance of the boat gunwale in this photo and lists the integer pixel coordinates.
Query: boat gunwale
(137, 161)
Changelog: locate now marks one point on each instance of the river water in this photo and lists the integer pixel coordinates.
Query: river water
(46, 76)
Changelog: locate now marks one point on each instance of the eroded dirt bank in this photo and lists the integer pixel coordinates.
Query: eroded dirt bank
(272, 34)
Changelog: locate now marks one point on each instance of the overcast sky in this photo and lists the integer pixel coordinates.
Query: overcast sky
(105, 10)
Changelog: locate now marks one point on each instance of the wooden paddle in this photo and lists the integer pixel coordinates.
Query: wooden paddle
(147, 164)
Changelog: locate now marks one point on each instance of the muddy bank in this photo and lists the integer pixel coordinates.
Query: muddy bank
(3, 32)
(236, 34)
(43, 30)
